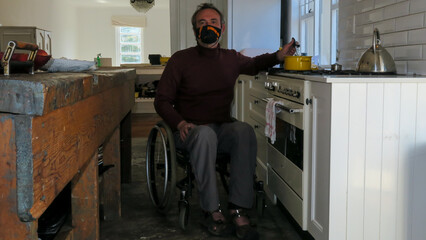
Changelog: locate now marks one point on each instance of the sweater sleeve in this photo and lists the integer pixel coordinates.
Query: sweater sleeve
(166, 94)
(252, 66)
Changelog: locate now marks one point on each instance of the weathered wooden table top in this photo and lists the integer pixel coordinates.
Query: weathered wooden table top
(42, 92)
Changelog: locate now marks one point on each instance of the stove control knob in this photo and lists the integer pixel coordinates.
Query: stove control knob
(296, 94)
(290, 92)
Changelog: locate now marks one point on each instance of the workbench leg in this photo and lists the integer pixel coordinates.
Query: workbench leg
(11, 227)
(111, 178)
(126, 148)
(85, 202)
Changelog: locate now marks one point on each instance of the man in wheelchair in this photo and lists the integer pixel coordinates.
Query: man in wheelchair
(194, 98)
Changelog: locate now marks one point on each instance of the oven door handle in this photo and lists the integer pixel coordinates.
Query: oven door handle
(285, 108)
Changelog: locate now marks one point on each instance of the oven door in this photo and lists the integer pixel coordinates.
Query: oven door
(289, 132)
(285, 155)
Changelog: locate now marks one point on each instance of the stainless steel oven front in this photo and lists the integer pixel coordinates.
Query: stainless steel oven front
(289, 155)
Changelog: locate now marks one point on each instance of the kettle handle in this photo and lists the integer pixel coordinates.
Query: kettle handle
(376, 39)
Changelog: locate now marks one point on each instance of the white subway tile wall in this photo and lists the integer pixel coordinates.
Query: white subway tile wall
(402, 27)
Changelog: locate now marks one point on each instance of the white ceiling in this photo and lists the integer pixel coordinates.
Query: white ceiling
(115, 3)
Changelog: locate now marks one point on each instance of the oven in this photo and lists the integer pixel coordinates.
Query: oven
(289, 155)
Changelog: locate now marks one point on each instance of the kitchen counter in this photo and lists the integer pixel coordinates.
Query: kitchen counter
(366, 160)
(356, 78)
(52, 125)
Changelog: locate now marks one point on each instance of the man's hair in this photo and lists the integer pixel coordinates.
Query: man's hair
(202, 7)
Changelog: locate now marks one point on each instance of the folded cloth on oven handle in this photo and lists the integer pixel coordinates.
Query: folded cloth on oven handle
(281, 106)
(270, 116)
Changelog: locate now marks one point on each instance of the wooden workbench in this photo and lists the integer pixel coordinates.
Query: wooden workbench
(51, 126)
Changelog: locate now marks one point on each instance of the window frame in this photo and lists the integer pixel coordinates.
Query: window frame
(323, 41)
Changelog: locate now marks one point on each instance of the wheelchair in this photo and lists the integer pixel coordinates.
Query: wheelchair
(162, 161)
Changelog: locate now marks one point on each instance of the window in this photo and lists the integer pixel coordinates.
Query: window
(318, 27)
(307, 26)
(130, 45)
(334, 29)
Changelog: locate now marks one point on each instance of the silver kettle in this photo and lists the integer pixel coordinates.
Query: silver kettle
(376, 59)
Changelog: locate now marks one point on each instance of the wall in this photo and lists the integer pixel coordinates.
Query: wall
(80, 30)
(254, 24)
(402, 27)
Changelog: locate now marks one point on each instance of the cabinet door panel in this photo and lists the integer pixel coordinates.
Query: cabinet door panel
(319, 170)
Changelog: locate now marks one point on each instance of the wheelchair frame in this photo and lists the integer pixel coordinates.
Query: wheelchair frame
(163, 163)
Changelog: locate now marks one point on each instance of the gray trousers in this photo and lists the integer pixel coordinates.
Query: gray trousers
(204, 142)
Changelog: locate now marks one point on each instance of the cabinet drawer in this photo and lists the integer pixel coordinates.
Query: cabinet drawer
(257, 88)
(257, 109)
(288, 198)
(262, 141)
(287, 170)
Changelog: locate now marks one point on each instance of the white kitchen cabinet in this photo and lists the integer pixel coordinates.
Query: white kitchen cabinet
(34, 35)
(251, 108)
(368, 158)
(319, 169)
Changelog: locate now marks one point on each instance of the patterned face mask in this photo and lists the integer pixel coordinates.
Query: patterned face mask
(208, 34)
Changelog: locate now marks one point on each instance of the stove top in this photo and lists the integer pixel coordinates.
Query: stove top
(278, 71)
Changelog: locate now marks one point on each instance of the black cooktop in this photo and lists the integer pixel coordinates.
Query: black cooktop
(277, 71)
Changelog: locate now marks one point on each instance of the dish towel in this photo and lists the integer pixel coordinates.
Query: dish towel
(271, 112)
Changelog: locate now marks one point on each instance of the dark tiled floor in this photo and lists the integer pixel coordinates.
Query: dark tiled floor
(141, 221)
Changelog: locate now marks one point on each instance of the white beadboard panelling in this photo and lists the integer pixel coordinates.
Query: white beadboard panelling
(401, 67)
(385, 26)
(419, 165)
(382, 3)
(417, 36)
(394, 39)
(356, 161)
(407, 133)
(396, 10)
(369, 17)
(416, 67)
(364, 6)
(417, 6)
(389, 181)
(409, 52)
(373, 160)
(410, 22)
(338, 161)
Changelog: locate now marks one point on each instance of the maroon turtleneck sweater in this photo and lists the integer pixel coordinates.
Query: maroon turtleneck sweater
(197, 84)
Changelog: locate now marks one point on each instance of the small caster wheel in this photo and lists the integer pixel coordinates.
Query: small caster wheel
(260, 204)
(183, 214)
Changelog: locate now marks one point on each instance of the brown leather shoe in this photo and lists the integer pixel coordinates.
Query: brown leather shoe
(243, 230)
(215, 223)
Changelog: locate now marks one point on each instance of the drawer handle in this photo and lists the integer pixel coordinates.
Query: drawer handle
(256, 126)
(256, 101)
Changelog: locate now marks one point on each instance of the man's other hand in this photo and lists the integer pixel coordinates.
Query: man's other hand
(184, 128)
(288, 50)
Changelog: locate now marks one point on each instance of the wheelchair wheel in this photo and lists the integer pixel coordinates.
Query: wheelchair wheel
(161, 166)
(183, 214)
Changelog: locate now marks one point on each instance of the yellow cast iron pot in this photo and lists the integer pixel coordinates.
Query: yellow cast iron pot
(297, 63)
